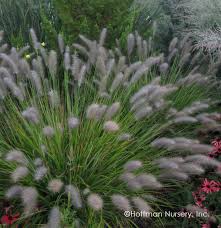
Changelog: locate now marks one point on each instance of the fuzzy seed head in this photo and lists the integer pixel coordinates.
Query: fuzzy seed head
(164, 68)
(141, 204)
(112, 110)
(94, 201)
(121, 202)
(132, 165)
(54, 218)
(48, 131)
(19, 173)
(75, 196)
(92, 111)
(31, 114)
(149, 181)
(73, 122)
(29, 199)
(54, 98)
(111, 126)
(14, 191)
(55, 185)
(16, 156)
(40, 173)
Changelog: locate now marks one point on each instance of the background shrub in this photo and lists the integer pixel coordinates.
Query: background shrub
(17, 17)
(89, 17)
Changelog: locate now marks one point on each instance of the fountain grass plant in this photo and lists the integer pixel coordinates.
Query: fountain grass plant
(80, 129)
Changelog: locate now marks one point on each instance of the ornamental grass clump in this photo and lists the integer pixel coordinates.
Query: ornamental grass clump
(75, 126)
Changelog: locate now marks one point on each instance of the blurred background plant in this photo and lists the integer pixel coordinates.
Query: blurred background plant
(201, 18)
(158, 13)
(89, 17)
(17, 17)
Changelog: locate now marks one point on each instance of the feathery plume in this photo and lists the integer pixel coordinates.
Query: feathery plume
(54, 98)
(16, 91)
(92, 111)
(191, 168)
(48, 131)
(201, 148)
(164, 68)
(19, 173)
(3, 47)
(74, 194)
(148, 180)
(14, 191)
(44, 55)
(75, 68)
(73, 122)
(1, 35)
(110, 66)
(87, 41)
(111, 126)
(112, 110)
(121, 202)
(164, 163)
(5, 73)
(132, 165)
(202, 160)
(103, 37)
(40, 173)
(139, 73)
(174, 174)
(24, 68)
(121, 64)
(172, 55)
(61, 44)
(23, 50)
(7, 59)
(52, 62)
(16, 156)
(34, 39)
(54, 218)
(67, 59)
(145, 49)
(29, 199)
(95, 111)
(141, 204)
(37, 65)
(184, 60)
(184, 119)
(162, 143)
(130, 43)
(94, 201)
(100, 66)
(126, 177)
(139, 43)
(117, 82)
(82, 49)
(81, 75)
(173, 44)
(143, 113)
(31, 114)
